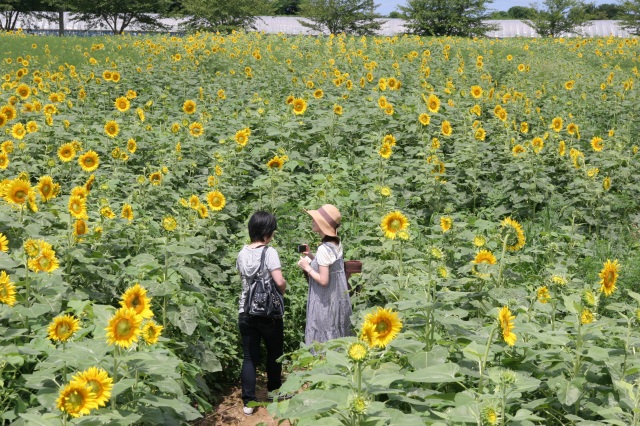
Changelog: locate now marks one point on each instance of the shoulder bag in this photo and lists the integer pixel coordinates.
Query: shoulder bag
(264, 299)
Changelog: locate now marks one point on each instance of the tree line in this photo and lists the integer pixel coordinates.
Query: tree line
(465, 18)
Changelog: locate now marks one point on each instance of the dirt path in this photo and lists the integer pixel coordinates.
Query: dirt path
(229, 411)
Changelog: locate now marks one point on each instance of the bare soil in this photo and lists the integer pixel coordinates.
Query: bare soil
(229, 410)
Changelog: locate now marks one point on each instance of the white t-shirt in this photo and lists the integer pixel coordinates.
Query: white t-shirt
(325, 255)
(248, 262)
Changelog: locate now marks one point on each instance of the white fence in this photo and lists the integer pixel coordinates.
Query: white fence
(291, 25)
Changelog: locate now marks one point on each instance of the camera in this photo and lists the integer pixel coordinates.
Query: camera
(302, 248)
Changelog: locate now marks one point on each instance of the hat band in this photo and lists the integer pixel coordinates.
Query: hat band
(328, 218)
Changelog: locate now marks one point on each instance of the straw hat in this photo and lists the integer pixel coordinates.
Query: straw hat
(328, 219)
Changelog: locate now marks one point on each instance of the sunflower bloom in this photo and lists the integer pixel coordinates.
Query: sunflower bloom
(189, 106)
(586, 316)
(112, 129)
(46, 261)
(97, 381)
(17, 191)
(151, 332)
(424, 119)
(543, 294)
(135, 298)
(609, 277)
(518, 149)
(47, 189)
(4, 243)
(514, 229)
(155, 178)
(556, 124)
(127, 212)
(385, 151)
(537, 144)
(597, 144)
(216, 200)
(299, 106)
(433, 103)
(446, 128)
(275, 163)
(196, 129)
(63, 327)
(107, 212)
(89, 161)
(124, 328)
(78, 207)
(357, 351)
(476, 91)
(484, 256)
(381, 327)
(18, 131)
(7, 290)
(446, 222)
(122, 104)
(393, 223)
(76, 399)
(506, 324)
(66, 152)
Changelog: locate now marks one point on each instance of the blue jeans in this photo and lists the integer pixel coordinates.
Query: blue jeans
(253, 330)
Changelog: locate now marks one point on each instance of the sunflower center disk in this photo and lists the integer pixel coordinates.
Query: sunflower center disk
(123, 328)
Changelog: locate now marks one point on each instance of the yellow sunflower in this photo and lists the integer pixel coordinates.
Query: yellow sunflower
(393, 223)
(506, 324)
(124, 327)
(132, 146)
(561, 148)
(608, 277)
(514, 230)
(79, 228)
(216, 200)
(318, 94)
(194, 202)
(518, 149)
(606, 183)
(556, 124)
(45, 262)
(586, 316)
(112, 129)
(3, 120)
(155, 178)
(543, 294)
(275, 163)
(7, 290)
(97, 381)
(424, 119)
(4, 160)
(446, 222)
(107, 212)
(385, 151)
(597, 143)
(66, 152)
(299, 106)
(196, 129)
(127, 212)
(569, 84)
(484, 256)
(572, 129)
(122, 104)
(537, 144)
(446, 128)
(357, 351)
(135, 298)
(169, 223)
(17, 191)
(7, 146)
(9, 112)
(63, 327)
(476, 91)
(80, 191)
(4, 243)
(78, 207)
(89, 161)
(337, 109)
(203, 212)
(433, 103)
(47, 188)
(23, 91)
(18, 131)
(480, 134)
(381, 327)
(242, 137)
(76, 399)
(189, 106)
(151, 332)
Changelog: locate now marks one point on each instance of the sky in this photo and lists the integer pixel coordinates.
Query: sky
(388, 6)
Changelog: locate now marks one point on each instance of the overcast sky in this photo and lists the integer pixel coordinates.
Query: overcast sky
(387, 6)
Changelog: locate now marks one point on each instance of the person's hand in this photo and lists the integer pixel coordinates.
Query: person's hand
(304, 264)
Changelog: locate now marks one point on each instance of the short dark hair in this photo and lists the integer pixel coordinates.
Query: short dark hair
(261, 226)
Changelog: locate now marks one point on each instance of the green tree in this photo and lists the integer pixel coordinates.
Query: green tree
(558, 17)
(464, 18)
(14, 11)
(286, 7)
(630, 18)
(118, 15)
(224, 15)
(521, 12)
(341, 16)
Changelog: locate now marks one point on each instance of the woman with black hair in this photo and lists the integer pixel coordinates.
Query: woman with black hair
(254, 329)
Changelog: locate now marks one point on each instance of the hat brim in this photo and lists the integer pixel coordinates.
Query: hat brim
(322, 223)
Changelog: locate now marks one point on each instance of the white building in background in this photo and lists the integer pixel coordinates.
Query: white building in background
(291, 25)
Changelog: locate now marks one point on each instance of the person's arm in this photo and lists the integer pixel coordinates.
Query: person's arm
(276, 274)
(321, 276)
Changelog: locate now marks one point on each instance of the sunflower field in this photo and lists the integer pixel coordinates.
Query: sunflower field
(488, 186)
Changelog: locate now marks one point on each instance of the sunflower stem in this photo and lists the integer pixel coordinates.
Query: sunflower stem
(483, 362)
(64, 364)
(115, 374)
(501, 267)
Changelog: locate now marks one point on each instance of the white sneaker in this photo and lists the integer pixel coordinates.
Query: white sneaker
(247, 410)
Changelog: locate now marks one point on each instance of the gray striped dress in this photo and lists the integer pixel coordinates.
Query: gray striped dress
(328, 307)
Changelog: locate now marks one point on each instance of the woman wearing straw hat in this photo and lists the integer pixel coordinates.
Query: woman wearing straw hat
(329, 304)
